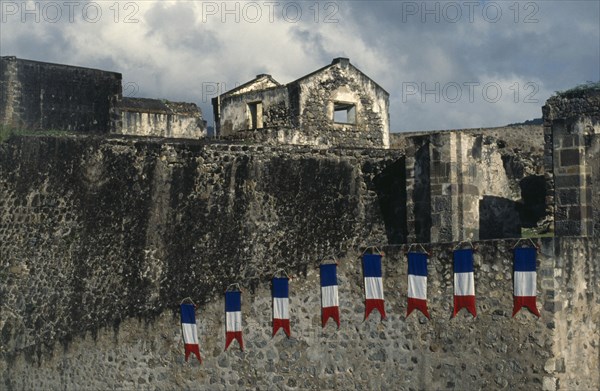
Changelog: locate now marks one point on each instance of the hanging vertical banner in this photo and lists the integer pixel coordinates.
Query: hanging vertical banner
(281, 305)
(233, 318)
(189, 331)
(373, 284)
(417, 283)
(330, 305)
(464, 283)
(525, 276)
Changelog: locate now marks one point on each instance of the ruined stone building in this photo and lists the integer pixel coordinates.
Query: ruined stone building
(102, 237)
(336, 105)
(40, 95)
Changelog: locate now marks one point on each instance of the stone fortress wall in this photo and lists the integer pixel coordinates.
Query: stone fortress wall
(43, 96)
(102, 236)
(39, 95)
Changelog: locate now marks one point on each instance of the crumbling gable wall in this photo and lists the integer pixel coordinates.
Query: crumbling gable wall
(235, 115)
(342, 83)
(304, 111)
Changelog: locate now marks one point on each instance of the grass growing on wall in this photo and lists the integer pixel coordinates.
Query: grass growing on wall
(527, 233)
(6, 132)
(580, 90)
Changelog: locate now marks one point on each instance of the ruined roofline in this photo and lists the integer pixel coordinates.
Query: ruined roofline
(228, 95)
(335, 62)
(250, 82)
(468, 130)
(156, 106)
(14, 58)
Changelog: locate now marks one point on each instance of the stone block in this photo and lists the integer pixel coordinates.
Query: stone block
(570, 157)
(568, 196)
(441, 205)
(449, 189)
(549, 384)
(567, 180)
(574, 213)
(469, 189)
(568, 228)
(436, 189)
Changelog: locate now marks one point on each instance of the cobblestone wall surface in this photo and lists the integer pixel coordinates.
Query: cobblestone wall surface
(102, 238)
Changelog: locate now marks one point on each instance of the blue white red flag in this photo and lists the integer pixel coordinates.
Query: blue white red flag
(417, 283)
(464, 283)
(373, 284)
(233, 318)
(189, 331)
(525, 276)
(281, 305)
(330, 305)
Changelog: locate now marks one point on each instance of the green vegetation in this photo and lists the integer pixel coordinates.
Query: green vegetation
(527, 233)
(580, 90)
(6, 132)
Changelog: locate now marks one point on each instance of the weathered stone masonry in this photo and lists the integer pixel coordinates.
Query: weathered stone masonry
(334, 106)
(160, 118)
(38, 95)
(572, 129)
(43, 96)
(103, 237)
(473, 184)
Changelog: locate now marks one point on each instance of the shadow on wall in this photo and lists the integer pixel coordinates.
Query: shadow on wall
(498, 218)
(422, 194)
(503, 218)
(533, 194)
(390, 185)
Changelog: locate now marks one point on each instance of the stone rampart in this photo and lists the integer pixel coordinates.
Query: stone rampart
(103, 237)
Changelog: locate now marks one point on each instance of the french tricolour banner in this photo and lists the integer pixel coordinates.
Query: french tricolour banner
(464, 283)
(330, 305)
(417, 283)
(233, 318)
(189, 331)
(373, 284)
(525, 287)
(281, 305)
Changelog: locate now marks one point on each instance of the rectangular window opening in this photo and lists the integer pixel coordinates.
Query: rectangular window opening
(344, 113)
(255, 115)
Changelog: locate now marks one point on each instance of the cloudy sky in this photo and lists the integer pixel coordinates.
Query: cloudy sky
(446, 64)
